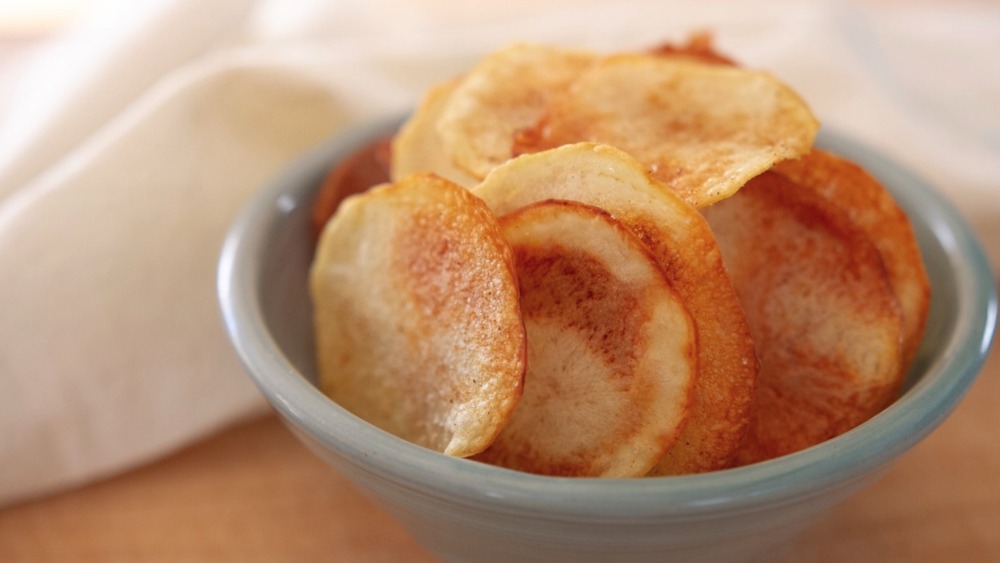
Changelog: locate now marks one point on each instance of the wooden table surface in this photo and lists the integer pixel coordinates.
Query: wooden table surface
(253, 493)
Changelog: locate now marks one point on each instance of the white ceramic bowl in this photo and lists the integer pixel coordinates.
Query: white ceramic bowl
(466, 511)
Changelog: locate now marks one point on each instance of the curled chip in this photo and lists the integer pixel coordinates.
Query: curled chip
(823, 316)
(504, 92)
(873, 209)
(417, 318)
(703, 129)
(418, 146)
(682, 244)
(611, 348)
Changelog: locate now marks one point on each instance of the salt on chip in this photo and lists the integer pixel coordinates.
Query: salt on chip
(417, 319)
(703, 129)
(873, 209)
(682, 244)
(611, 348)
(418, 147)
(504, 92)
(822, 313)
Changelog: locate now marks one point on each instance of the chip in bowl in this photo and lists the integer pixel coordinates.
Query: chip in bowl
(683, 245)
(703, 129)
(417, 316)
(506, 91)
(873, 209)
(612, 351)
(825, 322)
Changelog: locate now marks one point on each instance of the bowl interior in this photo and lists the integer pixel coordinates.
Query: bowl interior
(265, 302)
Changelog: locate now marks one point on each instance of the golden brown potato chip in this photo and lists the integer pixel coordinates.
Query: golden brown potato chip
(698, 46)
(611, 348)
(703, 129)
(417, 316)
(367, 167)
(417, 147)
(823, 316)
(873, 208)
(684, 247)
(506, 91)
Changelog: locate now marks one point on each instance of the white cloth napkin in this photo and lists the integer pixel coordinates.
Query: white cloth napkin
(130, 146)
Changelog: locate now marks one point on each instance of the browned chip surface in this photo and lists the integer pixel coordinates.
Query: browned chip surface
(703, 129)
(418, 146)
(873, 208)
(417, 315)
(682, 244)
(822, 313)
(504, 92)
(699, 46)
(367, 167)
(611, 349)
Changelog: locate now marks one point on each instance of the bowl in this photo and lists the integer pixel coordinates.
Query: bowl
(462, 510)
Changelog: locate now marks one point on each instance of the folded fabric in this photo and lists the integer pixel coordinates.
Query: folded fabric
(131, 146)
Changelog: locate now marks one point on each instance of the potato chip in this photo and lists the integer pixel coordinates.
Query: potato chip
(703, 129)
(367, 167)
(682, 244)
(504, 92)
(698, 46)
(612, 352)
(418, 146)
(823, 316)
(417, 315)
(873, 208)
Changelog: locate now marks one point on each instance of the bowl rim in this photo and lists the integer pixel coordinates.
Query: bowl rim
(809, 472)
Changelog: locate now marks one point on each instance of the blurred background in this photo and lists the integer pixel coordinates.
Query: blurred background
(25, 25)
